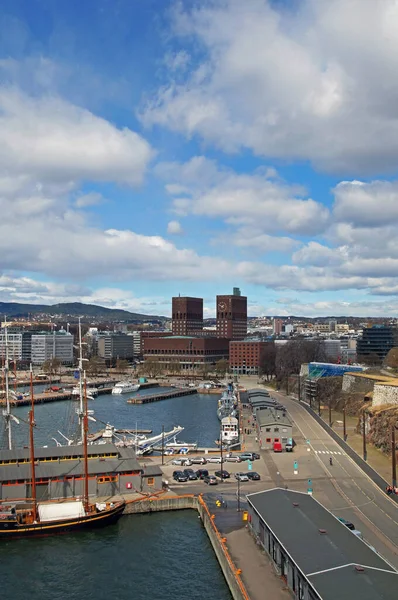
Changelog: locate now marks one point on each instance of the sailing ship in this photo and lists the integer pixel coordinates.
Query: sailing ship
(38, 518)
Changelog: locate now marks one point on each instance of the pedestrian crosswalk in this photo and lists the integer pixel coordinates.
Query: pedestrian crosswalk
(329, 452)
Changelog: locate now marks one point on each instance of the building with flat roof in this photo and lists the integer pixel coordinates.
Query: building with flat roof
(246, 357)
(231, 311)
(190, 352)
(317, 556)
(113, 346)
(187, 315)
(376, 340)
(45, 346)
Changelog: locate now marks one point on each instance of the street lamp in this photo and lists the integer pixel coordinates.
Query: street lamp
(238, 496)
(365, 454)
(393, 457)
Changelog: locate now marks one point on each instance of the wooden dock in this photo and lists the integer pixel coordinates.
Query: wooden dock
(50, 397)
(164, 396)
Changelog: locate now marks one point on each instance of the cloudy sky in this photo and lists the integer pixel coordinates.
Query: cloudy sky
(156, 147)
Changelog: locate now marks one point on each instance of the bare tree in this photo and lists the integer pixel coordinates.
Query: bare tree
(95, 365)
(152, 367)
(51, 366)
(122, 365)
(222, 367)
(290, 357)
(267, 366)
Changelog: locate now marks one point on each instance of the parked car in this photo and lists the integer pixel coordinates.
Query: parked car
(222, 474)
(198, 460)
(256, 456)
(233, 458)
(190, 473)
(247, 456)
(202, 473)
(214, 459)
(253, 475)
(241, 477)
(210, 480)
(180, 476)
(347, 523)
(185, 462)
(289, 447)
(278, 447)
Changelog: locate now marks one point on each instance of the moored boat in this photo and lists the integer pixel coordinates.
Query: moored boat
(125, 387)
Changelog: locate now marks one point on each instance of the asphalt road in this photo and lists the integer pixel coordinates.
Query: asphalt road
(343, 487)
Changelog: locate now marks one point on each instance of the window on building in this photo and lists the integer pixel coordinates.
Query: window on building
(276, 429)
(268, 429)
(151, 481)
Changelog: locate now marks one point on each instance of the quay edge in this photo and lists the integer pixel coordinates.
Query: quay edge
(231, 572)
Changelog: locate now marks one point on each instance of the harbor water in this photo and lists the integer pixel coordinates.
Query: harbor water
(196, 413)
(161, 556)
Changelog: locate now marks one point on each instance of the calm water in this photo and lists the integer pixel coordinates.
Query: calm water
(196, 413)
(143, 557)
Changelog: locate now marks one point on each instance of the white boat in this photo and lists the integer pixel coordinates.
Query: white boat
(229, 430)
(125, 387)
(90, 391)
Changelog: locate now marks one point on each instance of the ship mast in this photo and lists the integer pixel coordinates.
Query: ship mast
(81, 406)
(7, 413)
(32, 446)
(85, 441)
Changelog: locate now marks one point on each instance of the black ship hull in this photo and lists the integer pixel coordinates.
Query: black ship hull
(12, 529)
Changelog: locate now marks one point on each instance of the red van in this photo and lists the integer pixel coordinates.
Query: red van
(277, 447)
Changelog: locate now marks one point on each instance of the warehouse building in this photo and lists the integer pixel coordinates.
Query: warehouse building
(60, 472)
(318, 557)
(273, 425)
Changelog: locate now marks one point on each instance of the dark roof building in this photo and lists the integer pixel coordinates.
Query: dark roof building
(60, 471)
(319, 557)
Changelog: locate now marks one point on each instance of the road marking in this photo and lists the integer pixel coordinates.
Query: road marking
(300, 412)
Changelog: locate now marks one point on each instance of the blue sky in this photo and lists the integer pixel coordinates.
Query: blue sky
(150, 148)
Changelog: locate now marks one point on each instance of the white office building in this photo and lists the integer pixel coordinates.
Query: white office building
(46, 346)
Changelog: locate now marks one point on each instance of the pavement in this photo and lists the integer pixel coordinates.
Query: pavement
(343, 487)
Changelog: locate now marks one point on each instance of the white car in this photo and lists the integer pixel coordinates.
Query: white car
(214, 459)
(182, 462)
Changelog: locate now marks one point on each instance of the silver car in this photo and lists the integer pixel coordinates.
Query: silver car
(241, 477)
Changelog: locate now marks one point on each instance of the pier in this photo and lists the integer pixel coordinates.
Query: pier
(163, 396)
(49, 397)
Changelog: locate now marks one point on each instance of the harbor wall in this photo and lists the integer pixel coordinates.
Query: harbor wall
(231, 573)
(154, 504)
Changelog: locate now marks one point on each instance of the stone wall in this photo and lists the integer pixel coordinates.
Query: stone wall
(385, 394)
(354, 384)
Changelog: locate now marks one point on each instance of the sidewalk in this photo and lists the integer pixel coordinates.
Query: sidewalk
(379, 461)
(258, 575)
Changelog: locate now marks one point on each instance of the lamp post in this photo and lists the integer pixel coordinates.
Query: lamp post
(222, 456)
(238, 496)
(344, 424)
(365, 454)
(393, 457)
(162, 444)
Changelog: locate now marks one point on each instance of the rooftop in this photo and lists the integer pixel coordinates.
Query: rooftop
(270, 416)
(324, 549)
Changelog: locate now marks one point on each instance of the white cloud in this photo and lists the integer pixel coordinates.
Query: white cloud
(259, 199)
(174, 228)
(90, 199)
(315, 82)
(252, 237)
(362, 204)
(49, 139)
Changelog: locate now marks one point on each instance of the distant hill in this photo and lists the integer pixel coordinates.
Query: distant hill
(73, 309)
